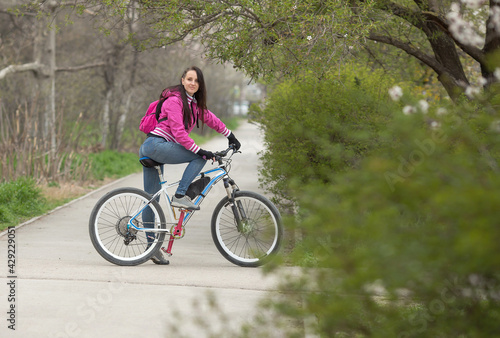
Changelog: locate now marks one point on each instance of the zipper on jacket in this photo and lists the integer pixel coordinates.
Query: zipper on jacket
(195, 116)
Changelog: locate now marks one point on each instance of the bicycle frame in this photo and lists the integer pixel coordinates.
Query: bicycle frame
(221, 173)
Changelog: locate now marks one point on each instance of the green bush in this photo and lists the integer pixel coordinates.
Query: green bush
(406, 245)
(19, 200)
(318, 126)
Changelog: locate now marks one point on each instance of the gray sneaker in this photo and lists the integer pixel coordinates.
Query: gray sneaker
(184, 203)
(159, 259)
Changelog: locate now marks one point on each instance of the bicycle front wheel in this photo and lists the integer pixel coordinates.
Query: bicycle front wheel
(111, 234)
(249, 232)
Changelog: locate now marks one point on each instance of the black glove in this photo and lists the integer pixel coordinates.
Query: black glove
(232, 140)
(207, 155)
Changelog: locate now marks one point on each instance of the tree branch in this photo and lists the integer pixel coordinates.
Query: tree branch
(3, 11)
(38, 68)
(423, 5)
(425, 58)
(411, 16)
(33, 66)
(78, 68)
(474, 52)
(419, 20)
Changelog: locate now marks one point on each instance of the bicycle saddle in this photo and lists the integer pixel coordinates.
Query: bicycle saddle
(149, 162)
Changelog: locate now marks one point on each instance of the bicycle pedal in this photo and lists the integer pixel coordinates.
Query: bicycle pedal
(165, 251)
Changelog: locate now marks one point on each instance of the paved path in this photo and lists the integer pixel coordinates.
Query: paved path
(65, 289)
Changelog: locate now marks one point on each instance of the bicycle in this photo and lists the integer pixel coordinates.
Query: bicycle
(246, 227)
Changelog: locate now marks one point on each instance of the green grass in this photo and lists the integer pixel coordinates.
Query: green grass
(113, 164)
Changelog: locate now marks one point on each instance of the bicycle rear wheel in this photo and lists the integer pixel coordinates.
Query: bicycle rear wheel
(109, 229)
(260, 232)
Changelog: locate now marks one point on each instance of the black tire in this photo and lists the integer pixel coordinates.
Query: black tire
(261, 235)
(109, 232)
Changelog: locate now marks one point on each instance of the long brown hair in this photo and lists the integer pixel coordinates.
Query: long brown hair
(200, 96)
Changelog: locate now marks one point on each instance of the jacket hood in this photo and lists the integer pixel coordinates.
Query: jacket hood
(169, 93)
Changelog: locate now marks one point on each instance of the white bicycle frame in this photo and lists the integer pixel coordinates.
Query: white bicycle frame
(221, 173)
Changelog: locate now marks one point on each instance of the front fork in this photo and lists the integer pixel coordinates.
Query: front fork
(236, 207)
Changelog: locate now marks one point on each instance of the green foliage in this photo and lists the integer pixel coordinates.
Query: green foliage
(19, 200)
(406, 244)
(262, 38)
(272, 39)
(316, 127)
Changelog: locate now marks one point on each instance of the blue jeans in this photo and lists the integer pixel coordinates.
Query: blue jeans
(162, 151)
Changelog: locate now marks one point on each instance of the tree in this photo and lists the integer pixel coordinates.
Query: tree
(44, 64)
(446, 34)
(269, 38)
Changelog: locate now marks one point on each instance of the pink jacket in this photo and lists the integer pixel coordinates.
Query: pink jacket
(173, 129)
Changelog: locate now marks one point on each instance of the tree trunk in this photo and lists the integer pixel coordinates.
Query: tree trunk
(113, 61)
(491, 47)
(45, 56)
(126, 108)
(51, 112)
(120, 126)
(106, 118)
(453, 78)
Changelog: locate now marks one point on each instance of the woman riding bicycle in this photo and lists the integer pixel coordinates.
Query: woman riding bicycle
(182, 107)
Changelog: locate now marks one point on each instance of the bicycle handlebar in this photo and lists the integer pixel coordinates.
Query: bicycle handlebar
(221, 154)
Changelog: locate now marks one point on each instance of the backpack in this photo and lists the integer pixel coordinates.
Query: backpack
(150, 120)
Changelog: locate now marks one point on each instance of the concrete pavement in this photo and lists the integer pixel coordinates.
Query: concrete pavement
(63, 288)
